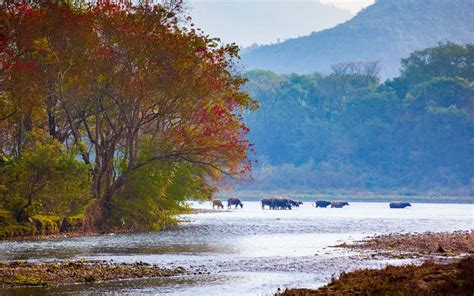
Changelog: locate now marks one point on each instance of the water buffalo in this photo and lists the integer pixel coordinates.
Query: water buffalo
(280, 203)
(234, 202)
(266, 202)
(339, 204)
(295, 203)
(218, 203)
(322, 203)
(399, 205)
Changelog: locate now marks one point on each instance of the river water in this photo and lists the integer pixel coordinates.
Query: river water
(246, 251)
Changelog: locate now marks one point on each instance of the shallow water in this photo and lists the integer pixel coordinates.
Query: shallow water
(247, 251)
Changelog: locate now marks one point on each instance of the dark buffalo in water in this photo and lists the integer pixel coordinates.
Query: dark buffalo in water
(280, 203)
(295, 203)
(322, 203)
(234, 202)
(339, 204)
(266, 202)
(399, 205)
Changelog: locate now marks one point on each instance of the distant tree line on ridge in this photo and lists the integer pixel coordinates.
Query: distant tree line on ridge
(349, 131)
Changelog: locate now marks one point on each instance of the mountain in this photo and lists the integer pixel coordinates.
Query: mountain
(246, 22)
(385, 31)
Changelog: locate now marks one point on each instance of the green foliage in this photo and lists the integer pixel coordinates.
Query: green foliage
(154, 194)
(347, 131)
(46, 224)
(45, 180)
(9, 226)
(445, 60)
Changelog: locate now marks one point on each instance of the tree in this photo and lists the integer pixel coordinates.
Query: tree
(445, 60)
(92, 81)
(46, 179)
(347, 131)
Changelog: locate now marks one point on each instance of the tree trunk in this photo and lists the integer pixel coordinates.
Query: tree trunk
(103, 190)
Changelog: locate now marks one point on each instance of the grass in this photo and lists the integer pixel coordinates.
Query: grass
(21, 273)
(38, 225)
(10, 228)
(428, 279)
(46, 224)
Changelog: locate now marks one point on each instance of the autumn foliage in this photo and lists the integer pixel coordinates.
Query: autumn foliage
(133, 89)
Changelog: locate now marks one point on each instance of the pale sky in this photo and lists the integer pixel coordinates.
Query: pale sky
(353, 5)
(268, 21)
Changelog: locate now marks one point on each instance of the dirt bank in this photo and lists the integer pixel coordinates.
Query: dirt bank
(23, 273)
(454, 243)
(428, 279)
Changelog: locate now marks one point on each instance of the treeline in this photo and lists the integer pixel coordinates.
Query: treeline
(348, 131)
(113, 114)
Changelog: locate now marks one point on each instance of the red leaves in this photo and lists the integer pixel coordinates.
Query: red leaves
(9, 53)
(201, 50)
(23, 8)
(218, 111)
(106, 51)
(106, 6)
(28, 66)
(146, 62)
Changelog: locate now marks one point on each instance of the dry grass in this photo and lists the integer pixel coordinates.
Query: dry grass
(427, 279)
(459, 242)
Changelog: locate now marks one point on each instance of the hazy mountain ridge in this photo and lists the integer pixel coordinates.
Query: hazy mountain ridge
(386, 31)
(350, 132)
(247, 22)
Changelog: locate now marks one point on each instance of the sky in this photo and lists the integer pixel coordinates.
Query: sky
(248, 22)
(353, 6)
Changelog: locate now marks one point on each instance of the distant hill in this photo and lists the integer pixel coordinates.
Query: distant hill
(386, 31)
(347, 132)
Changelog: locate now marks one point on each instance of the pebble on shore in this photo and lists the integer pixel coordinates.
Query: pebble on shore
(22, 273)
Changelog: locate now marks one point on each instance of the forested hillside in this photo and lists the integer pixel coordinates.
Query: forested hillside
(386, 31)
(348, 131)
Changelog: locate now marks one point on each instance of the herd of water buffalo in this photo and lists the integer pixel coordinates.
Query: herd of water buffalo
(286, 203)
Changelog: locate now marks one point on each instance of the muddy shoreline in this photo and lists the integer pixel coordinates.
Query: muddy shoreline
(430, 278)
(22, 273)
(428, 245)
(453, 275)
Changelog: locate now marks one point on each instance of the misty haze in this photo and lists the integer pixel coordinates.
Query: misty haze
(237, 147)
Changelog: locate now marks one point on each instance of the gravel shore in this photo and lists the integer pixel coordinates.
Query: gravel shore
(431, 278)
(22, 273)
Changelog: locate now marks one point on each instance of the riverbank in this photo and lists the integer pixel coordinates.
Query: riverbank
(10, 230)
(431, 278)
(429, 243)
(22, 273)
(42, 227)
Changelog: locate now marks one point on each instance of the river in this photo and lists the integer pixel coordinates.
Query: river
(246, 251)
